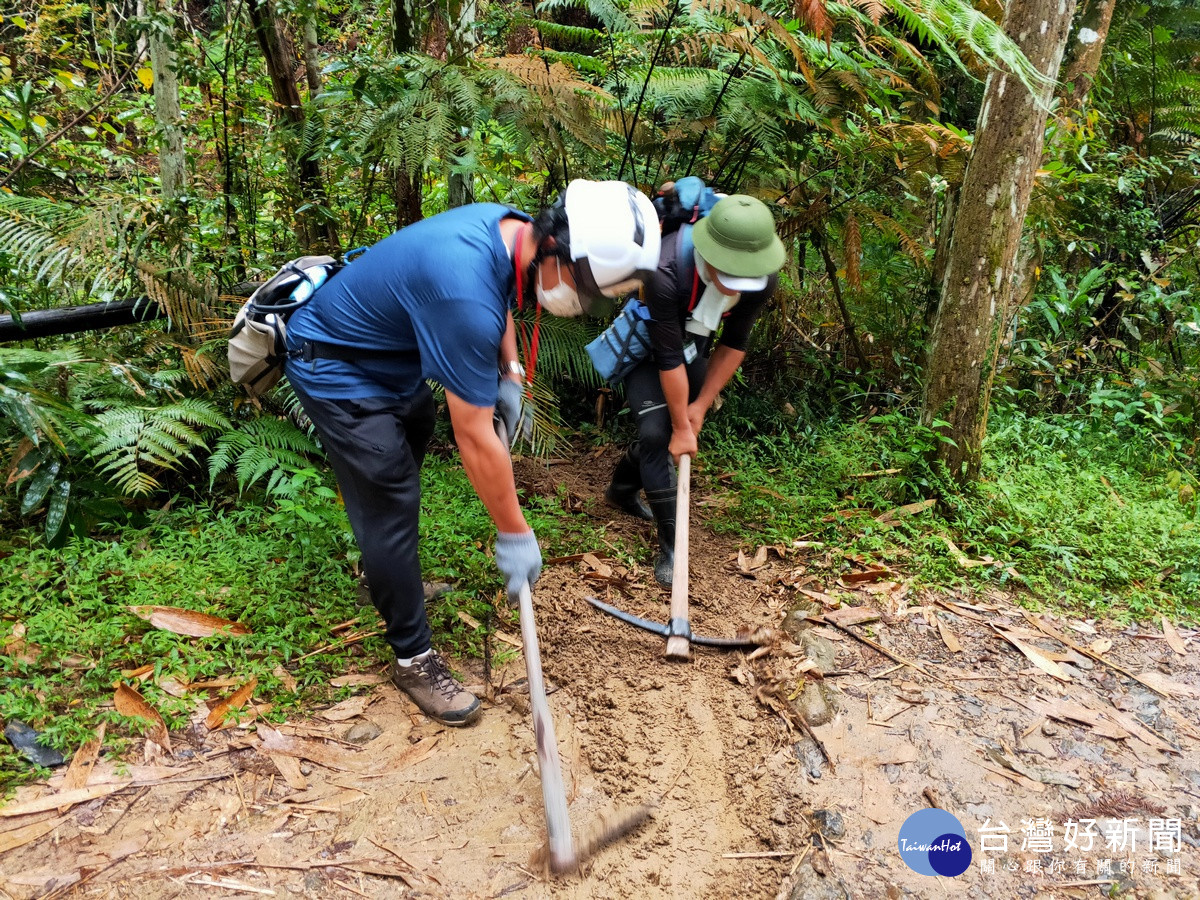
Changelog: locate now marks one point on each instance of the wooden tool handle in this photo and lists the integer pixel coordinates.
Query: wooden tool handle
(678, 646)
(554, 794)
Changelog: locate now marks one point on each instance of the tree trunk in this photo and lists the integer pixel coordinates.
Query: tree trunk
(315, 231)
(460, 188)
(1083, 58)
(172, 161)
(978, 284)
(312, 59)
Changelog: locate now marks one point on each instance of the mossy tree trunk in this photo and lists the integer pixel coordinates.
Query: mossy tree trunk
(172, 161)
(978, 283)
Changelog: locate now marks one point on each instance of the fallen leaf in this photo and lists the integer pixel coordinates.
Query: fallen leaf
(879, 474)
(597, 566)
(217, 716)
(948, 637)
(289, 768)
(187, 621)
(1174, 641)
(1165, 685)
(139, 673)
(27, 834)
(852, 615)
(285, 678)
(760, 558)
(905, 753)
(1070, 711)
(130, 703)
(67, 798)
(361, 678)
(891, 517)
(1035, 656)
(1036, 773)
(82, 763)
(347, 709)
(860, 577)
(305, 748)
(172, 686)
(821, 597)
(496, 632)
(1102, 645)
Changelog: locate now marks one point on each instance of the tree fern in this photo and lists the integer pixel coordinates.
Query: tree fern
(138, 443)
(260, 448)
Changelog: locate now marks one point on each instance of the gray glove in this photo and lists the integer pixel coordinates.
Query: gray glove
(508, 409)
(519, 558)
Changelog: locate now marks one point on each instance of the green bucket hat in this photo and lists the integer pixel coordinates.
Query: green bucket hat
(738, 237)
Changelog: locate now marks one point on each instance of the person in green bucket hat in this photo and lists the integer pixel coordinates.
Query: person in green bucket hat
(713, 280)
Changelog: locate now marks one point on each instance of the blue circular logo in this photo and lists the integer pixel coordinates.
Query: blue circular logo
(933, 842)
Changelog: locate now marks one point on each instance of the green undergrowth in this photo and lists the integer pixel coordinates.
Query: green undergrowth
(1093, 523)
(286, 570)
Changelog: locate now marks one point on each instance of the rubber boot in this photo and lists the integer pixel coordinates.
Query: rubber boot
(662, 503)
(624, 492)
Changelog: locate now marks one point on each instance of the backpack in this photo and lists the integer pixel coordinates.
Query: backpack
(679, 209)
(258, 339)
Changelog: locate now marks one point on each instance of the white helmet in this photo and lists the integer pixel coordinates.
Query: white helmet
(614, 237)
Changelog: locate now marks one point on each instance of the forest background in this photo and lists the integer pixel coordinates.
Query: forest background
(1023, 386)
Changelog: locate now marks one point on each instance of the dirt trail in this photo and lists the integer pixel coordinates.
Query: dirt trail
(421, 811)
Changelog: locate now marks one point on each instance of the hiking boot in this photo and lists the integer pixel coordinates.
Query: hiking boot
(662, 503)
(624, 492)
(430, 685)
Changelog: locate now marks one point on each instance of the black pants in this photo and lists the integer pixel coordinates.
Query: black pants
(376, 446)
(644, 393)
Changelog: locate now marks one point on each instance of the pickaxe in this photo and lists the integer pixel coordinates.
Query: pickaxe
(678, 630)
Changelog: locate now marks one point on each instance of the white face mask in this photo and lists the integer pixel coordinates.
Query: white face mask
(560, 300)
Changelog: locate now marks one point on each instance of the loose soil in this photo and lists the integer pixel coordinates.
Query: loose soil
(747, 804)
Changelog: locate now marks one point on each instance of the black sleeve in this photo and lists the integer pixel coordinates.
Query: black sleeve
(666, 321)
(735, 333)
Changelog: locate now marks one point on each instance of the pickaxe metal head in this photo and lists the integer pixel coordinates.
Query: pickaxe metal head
(675, 627)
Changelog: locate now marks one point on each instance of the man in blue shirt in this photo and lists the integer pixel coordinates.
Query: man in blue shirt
(432, 302)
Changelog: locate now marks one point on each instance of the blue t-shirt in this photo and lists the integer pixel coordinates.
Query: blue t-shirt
(440, 286)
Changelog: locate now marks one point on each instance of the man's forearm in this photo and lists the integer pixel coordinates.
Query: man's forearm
(508, 344)
(487, 463)
(675, 390)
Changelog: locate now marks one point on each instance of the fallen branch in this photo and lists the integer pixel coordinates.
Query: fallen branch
(1041, 626)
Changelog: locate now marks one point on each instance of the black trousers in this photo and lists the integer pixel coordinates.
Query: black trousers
(644, 393)
(376, 446)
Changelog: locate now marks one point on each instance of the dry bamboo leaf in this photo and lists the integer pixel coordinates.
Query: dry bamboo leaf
(948, 637)
(861, 577)
(27, 834)
(891, 517)
(821, 598)
(1101, 645)
(760, 558)
(597, 566)
(82, 763)
(347, 709)
(187, 621)
(361, 678)
(67, 798)
(1035, 656)
(1070, 711)
(852, 615)
(1174, 641)
(305, 748)
(130, 703)
(1036, 773)
(217, 716)
(289, 768)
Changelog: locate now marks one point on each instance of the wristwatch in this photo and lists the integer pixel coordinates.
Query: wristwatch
(513, 367)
